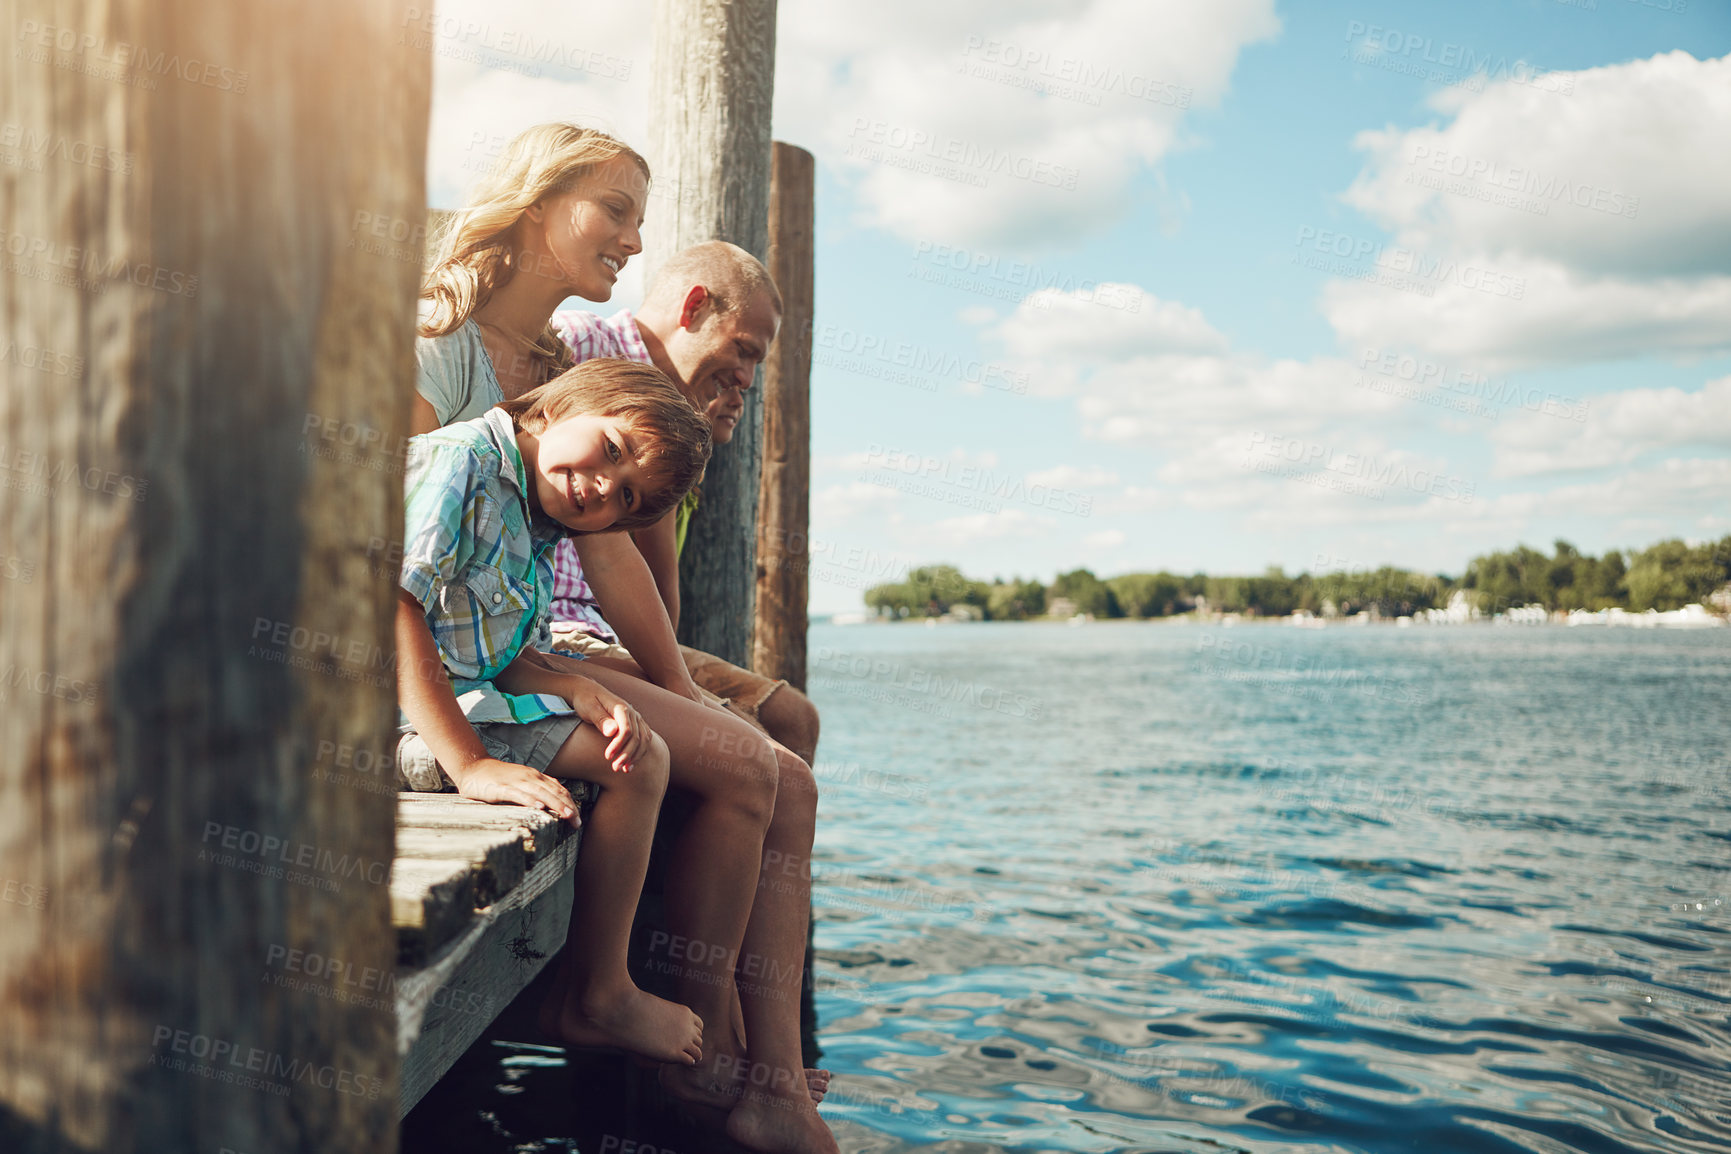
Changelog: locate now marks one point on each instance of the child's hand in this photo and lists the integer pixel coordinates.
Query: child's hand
(614, 717)
(504, 783)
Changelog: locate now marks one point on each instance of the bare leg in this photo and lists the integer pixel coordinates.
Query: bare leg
(776, 1113)
(596, 1003)
(713, 875)
(816, 1079)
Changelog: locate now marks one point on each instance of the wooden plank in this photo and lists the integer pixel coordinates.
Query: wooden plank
(540, 831)
(712, 81)
(784, 491)
(454, 856)
(194, 476)
(432, 902)
(496, 857)
(443, 1006)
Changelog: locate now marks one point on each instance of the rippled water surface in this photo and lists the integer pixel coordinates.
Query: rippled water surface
(1176, 887)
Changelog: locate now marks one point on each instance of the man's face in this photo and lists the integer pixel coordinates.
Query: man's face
(717, 357)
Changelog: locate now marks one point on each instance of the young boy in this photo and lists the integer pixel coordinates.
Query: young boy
(608, 445)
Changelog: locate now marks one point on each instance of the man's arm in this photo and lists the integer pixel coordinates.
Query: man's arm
(629, 600)
(660, 550)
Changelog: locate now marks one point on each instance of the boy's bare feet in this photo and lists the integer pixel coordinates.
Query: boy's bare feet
(780, 1122)
(816, 1081)
(629, 1019)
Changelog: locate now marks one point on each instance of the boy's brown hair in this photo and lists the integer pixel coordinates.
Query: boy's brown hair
(672, 437)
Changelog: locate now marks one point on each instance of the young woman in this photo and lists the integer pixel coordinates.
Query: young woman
(559, 216)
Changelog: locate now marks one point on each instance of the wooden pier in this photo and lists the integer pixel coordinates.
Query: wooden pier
(480, 900)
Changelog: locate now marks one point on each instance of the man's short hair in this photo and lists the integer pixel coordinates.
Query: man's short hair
(733, 277)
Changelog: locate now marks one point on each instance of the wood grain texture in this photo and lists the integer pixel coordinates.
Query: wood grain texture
(784, 490)
(454, 858)
(206, 609)
(537, 831)
(712, 83)
(432, 903)
(442, 1008)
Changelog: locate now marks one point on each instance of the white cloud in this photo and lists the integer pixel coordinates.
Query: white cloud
(1110, 322)
(1072, 477)
(840, 504)
(900, 459)
(500, 66)
(1640, 503)
(1617, 429)
(1624, 175)
(1276, 443)
(974, 528)
(1123, 75)
(1164, 376)
(936, 113)
(1563, 316)
(1133, 499)
(1604, 204)
(1105, 539)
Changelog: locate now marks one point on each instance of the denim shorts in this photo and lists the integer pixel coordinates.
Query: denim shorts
(530, 743)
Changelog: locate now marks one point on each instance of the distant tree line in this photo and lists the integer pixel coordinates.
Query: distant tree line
(1664, 576)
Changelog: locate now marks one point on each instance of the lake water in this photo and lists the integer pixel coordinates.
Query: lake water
(1136, 887)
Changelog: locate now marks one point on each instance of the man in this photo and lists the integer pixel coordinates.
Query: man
(707, 321)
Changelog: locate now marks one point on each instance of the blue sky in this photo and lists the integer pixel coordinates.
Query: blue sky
(1247, 283)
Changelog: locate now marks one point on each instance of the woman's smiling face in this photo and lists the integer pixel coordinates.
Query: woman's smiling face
(591, 231)
(583, 471)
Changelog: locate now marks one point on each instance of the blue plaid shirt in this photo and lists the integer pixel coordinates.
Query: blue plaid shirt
(477, 564)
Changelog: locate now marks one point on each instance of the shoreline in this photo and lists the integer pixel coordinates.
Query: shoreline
(1570, 619)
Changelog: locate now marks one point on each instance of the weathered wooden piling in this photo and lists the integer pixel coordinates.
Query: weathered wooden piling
(712, 83)
(784, 490)
(202, 469)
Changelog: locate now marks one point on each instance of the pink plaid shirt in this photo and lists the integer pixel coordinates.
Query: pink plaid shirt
(589, 337)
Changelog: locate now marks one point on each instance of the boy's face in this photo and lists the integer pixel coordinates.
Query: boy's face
(716, 357)
(583, 471)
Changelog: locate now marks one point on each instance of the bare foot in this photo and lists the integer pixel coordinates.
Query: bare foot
(711, 1083)
(816, 1080)
(779, 1122)
(630, 1020)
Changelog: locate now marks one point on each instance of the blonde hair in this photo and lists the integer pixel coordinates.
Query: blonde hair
(474, 249)
(672, 437)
